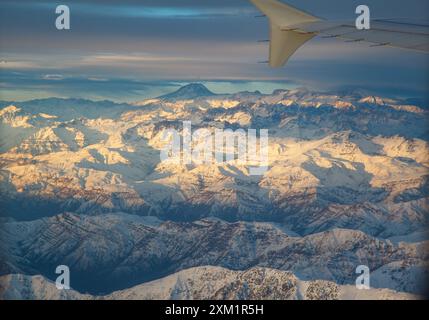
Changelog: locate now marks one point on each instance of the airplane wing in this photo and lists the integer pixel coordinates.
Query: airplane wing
(291, 28)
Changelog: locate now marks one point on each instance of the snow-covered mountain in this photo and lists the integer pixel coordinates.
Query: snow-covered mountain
(135, 249)
(82, 184)
(67, 109)
(190, 91)
(201, 283)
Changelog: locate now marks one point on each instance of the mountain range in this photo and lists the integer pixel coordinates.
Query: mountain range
(82, 184)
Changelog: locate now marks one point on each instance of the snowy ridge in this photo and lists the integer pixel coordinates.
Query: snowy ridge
(135, 249)
(201, 283)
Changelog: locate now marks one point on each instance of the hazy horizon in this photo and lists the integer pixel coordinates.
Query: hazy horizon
(136, 49)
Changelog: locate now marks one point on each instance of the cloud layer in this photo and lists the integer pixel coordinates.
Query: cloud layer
(133, 42)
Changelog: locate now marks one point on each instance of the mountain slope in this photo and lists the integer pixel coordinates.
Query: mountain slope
(201, 283)
(190, 91)
(129, 249)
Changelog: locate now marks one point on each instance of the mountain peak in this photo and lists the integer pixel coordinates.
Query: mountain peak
(189, 91)
(9, 109)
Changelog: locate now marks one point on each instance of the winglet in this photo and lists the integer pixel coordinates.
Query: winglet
(284, 43)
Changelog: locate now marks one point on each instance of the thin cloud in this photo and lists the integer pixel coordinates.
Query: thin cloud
(55, 77)
(6, 64)
(150, 12)
(122, 58)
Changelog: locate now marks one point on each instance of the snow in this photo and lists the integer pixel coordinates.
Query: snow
(205, 282)
(346, 183)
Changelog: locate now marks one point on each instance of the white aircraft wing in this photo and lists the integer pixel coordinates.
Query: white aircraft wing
(291, 28)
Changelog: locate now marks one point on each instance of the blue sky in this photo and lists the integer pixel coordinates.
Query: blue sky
(130, 50)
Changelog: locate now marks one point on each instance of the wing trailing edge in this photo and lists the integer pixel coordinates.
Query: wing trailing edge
(284, 41)
(291, 28)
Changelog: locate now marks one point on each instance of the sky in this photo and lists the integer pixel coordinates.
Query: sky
(131, 50)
